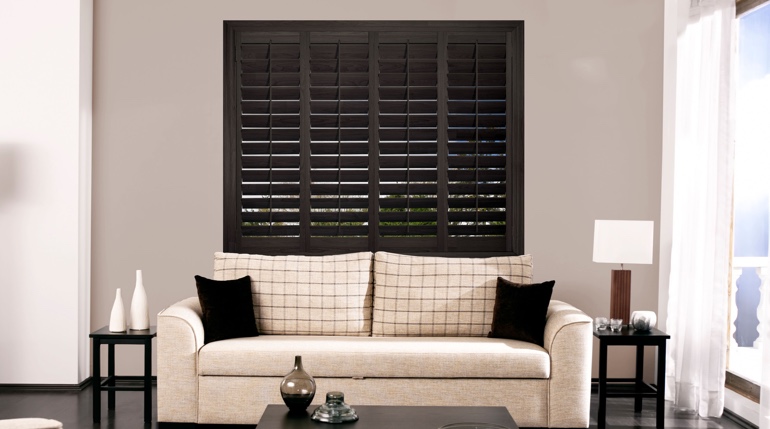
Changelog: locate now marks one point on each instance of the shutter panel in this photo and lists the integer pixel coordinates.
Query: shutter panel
(408, 134)
(339, 130)
(270, 134)
(476, 88)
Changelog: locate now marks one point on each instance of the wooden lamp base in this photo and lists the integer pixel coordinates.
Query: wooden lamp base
(620, 296)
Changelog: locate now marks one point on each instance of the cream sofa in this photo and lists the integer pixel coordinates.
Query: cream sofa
(385, 329)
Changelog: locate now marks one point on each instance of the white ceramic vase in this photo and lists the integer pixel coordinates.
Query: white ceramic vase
(118, 314)
(140, 313)
(643, 320)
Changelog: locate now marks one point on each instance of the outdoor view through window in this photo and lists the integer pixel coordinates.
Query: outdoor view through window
(752, 193)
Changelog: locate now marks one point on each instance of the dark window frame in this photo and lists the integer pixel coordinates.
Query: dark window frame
(512, 243)
(745, 6)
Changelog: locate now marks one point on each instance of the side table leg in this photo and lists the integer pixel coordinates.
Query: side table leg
(602, 415)
(639, 377)
(660, 400)
(111, 376)
(148, 381)
(96, 381)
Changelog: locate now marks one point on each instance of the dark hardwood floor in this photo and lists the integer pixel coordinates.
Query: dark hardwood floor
(73, 409)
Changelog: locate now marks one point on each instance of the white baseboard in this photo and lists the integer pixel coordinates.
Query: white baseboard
(741, 406)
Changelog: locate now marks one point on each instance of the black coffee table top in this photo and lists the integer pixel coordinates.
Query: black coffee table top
(389, 417)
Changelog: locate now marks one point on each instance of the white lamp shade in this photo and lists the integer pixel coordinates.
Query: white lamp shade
(623, 241)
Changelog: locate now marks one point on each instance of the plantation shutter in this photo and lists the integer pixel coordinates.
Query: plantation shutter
(270, 134)
(339, 134)
(404, 137)
(476, 88)
(408, 134)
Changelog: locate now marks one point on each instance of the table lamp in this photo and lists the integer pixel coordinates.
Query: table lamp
(622, 242)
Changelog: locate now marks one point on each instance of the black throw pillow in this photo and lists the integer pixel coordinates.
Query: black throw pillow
(228, 311)
(520, 310)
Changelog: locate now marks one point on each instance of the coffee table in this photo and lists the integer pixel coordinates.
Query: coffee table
(389, 417)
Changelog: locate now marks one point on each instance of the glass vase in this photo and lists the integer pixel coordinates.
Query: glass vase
(297, 388)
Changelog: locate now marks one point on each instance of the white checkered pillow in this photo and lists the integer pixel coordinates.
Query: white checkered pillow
(440, 297)
(305, 295)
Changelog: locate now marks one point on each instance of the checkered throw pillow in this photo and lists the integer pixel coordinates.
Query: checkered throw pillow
(440, 297)
(305, 295)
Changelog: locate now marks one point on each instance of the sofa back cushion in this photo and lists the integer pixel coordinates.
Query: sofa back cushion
(305, 295)
(440, 297)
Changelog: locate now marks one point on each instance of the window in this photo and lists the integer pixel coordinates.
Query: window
(751, 201)
(398, 136)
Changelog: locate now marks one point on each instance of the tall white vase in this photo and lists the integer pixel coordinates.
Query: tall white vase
(118, 314)
(140, 313)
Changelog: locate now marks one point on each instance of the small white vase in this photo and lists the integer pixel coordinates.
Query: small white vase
(140, 314)
(643, 320)
(118, 314)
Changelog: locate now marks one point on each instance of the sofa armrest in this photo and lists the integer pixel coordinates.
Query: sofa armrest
(568, 336)
(180, 336)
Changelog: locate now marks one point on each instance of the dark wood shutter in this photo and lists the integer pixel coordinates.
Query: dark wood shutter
(476, 87)
(270, 134)
(339, 134)
(408, 138)
(374, 136)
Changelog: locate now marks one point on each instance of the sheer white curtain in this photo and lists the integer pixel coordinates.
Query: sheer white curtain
(703, 180)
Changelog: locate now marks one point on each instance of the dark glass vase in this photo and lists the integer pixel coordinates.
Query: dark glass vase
(298, 388)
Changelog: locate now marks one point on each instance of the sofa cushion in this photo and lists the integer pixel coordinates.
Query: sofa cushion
(443, 297)
(305, 295)
(226, 308)
(520, 310)
(403, 357)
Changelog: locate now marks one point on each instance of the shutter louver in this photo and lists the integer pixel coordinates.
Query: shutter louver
(339, 130)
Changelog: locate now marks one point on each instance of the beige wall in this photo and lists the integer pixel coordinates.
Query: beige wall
(594, 82)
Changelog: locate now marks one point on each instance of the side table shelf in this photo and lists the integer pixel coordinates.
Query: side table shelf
(629, 388)
(123, 383)
(113, 383)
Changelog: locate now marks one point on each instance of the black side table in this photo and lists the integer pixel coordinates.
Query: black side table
(632, 387)
(114, 382)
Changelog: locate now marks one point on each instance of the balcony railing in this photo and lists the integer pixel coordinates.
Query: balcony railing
(750, 282)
